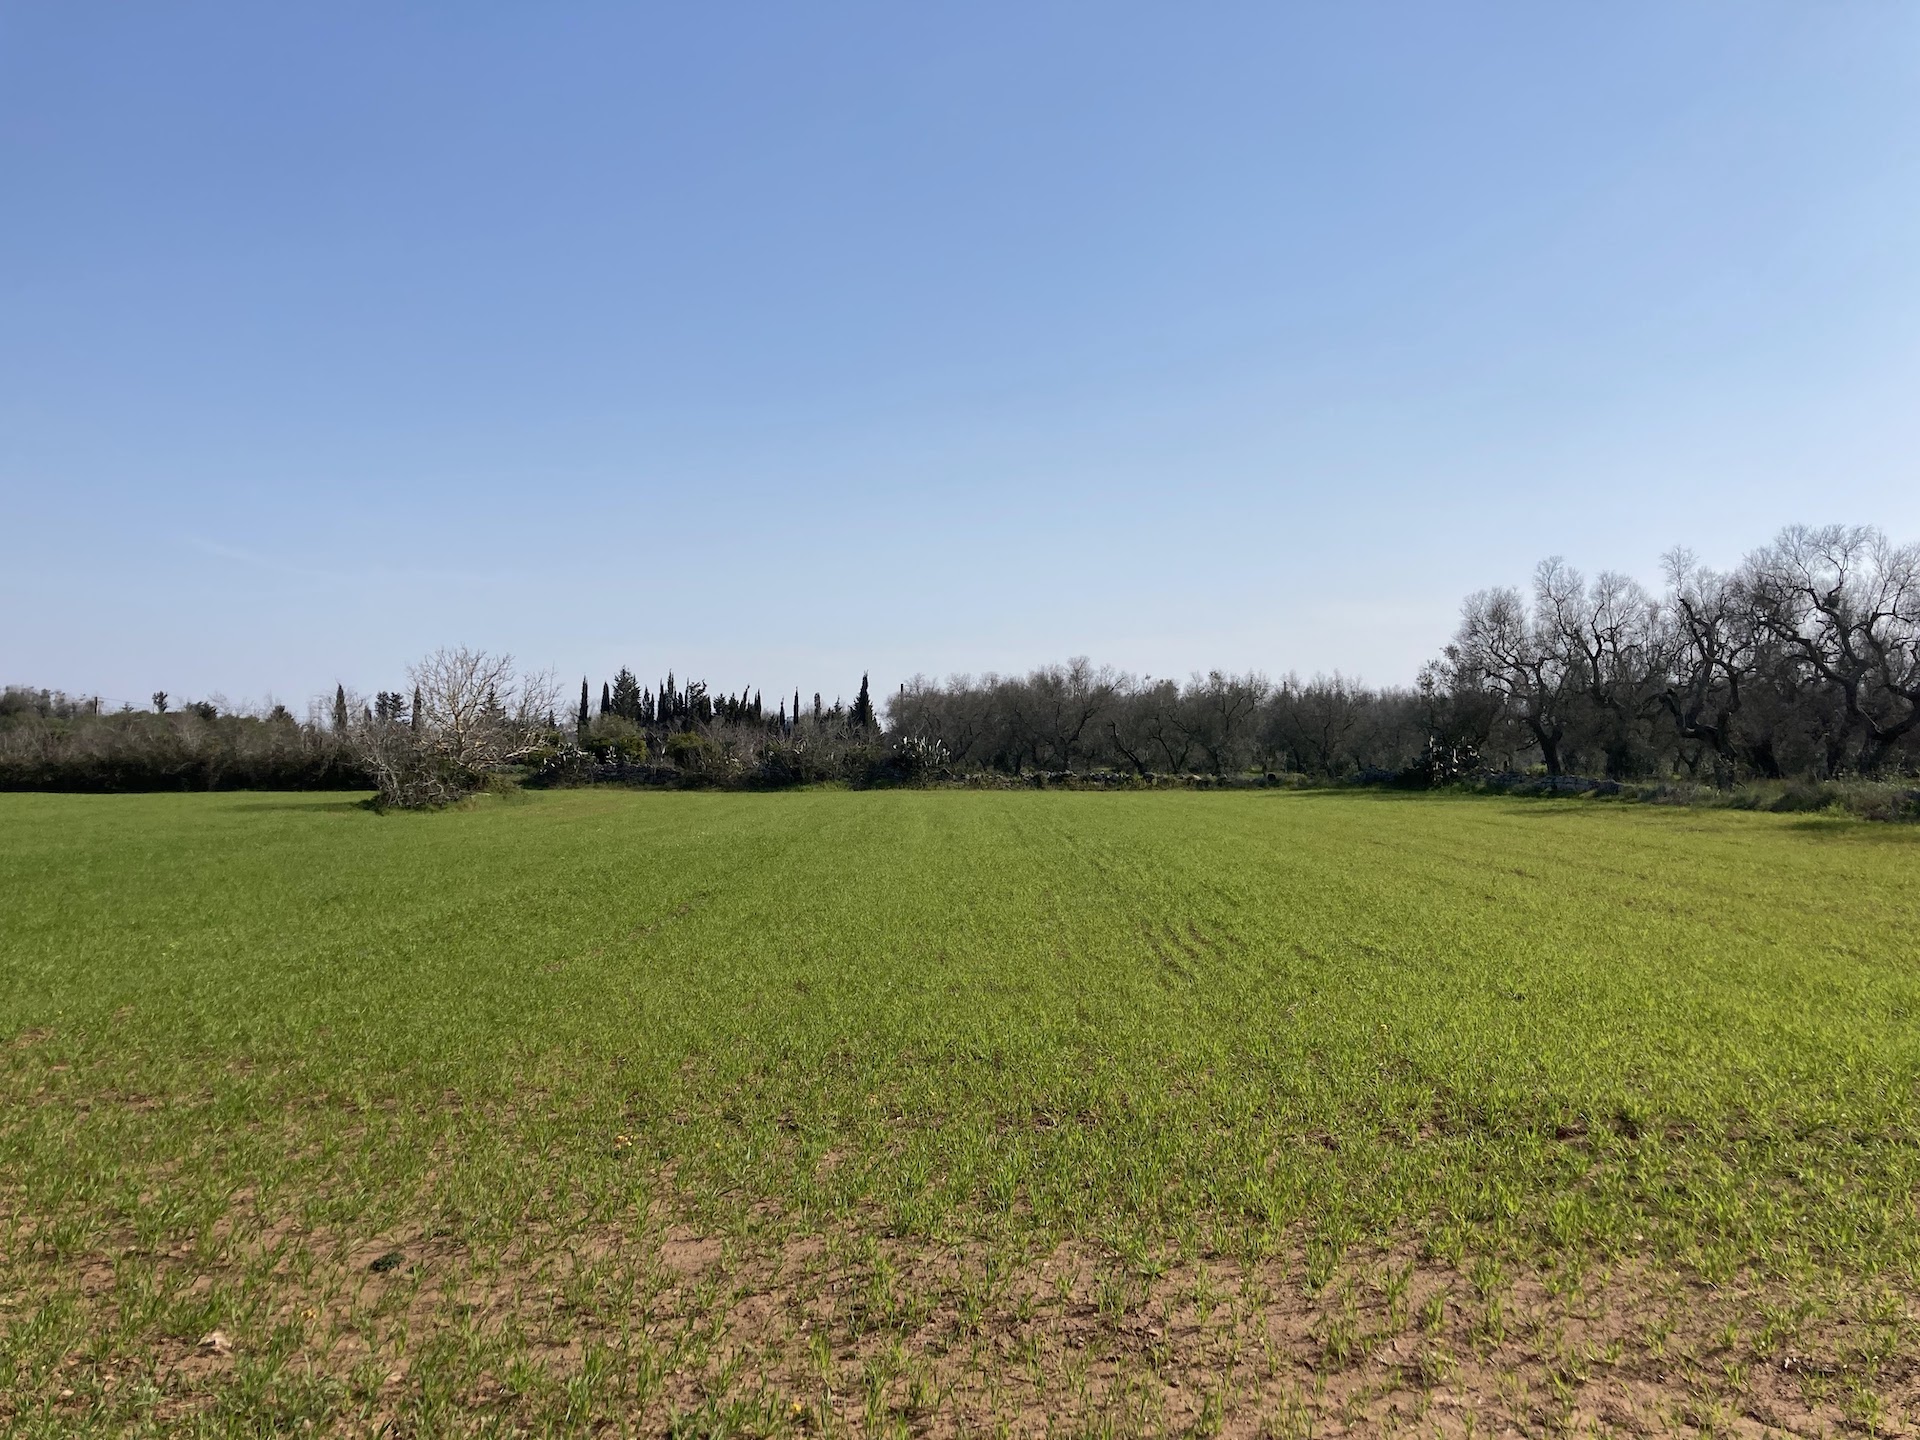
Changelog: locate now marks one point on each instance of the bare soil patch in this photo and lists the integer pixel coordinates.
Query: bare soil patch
(842, 1332)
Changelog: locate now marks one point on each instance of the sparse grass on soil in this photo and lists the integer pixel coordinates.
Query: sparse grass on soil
(943, 1113)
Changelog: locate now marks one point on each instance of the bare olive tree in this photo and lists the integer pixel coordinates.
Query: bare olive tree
(958, 716)
(1311, 725)
(1604, 638)
(1512, 653)
(1219, 712)
(1063, 703)
(1139, 728)
(1708, 644)
(1845, 602)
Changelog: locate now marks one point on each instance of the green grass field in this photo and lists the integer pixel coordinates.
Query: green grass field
(955, 1112)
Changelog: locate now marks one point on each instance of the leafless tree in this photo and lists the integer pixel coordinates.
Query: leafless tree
(956, 715)
(1217, 712)
(1157, 706)
(473, 713)
(1602, 637)
(1312, 724)
(477, 711)
(1062, 703)
(1845, 602)
(1708, 646)
(1503, 648)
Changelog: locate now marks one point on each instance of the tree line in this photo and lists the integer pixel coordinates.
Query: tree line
(53, 741)
(1803, 661)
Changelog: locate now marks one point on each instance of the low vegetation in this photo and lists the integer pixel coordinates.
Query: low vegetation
(947, 1112)
(1803, 665)
(50, 741)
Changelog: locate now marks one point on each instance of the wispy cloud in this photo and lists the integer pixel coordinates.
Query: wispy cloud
(382, 575)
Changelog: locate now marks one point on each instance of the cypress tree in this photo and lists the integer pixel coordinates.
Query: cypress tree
(581, 723)
(626, 695)
(416, 704)
(606, 698)
(340, 709)
(862, 716)
(796, 704)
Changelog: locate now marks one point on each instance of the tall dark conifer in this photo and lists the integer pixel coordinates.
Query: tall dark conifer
(606, 698)
(339, 709)
(581, 724)
(626, 695)
(862, 716)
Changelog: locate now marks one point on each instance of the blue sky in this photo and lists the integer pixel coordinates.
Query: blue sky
(774, 343)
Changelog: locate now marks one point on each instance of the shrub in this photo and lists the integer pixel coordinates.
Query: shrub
(616, 740)
(781, 763)
(698, 754)
(917, 758)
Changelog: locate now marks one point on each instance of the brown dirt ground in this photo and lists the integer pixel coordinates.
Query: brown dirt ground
(847, 1333)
